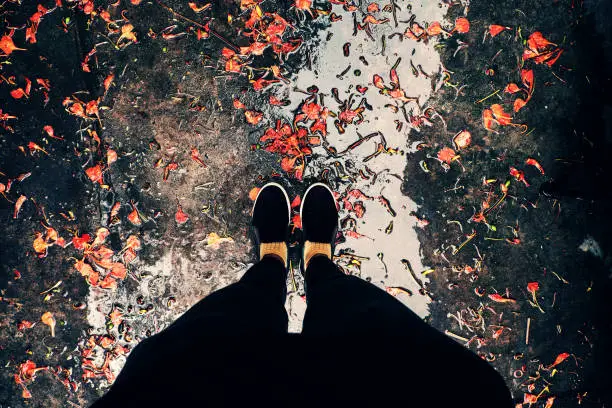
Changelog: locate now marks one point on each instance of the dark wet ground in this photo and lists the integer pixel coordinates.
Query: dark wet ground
(570, 137)
(166, 100)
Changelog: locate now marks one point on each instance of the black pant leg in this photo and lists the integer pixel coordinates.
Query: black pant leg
(255, 304)
(208, 341)
(352, 310)
(338, 304)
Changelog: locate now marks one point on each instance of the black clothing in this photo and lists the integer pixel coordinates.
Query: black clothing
(359, 346)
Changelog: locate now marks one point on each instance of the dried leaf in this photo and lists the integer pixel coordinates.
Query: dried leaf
(397, 290)
(462, 25)
(378, 82)
(18, 205)
(488, 120)
(129, 256)
(8, 46)
(134, 216)
(288, 164)
(446, 155)
(518, 175)
(81, 242)
(48, 319)
(133, 243)
(118, 270)
(498, 333)
(197, 9)
(111, 156)
(501, 116)
(253, 193)
(115, 316)
(530, 399)
(296, 201)
(537, 42)
(462, 139)
(84, 269)
(227, 53)
(214, 241)
(296, 220)
(512, 88)
(101, 235)
(533, 287)
(238, 104)
(253, 117)
(108, 283)
(40, 245)
(95, 174)
(180, 217)
(303, 5)
(195, 156)
(528, 80)
(33, 147)
(202, 34)
(496, 297)
(106, 341)
(434, 29)
(18, 93)
(127, 33)
(495, 29)
(560, 358)
(102, 254)
(519, 103)
(108, 81)
(24, 324)
(533, 162)
(277, 102)
(25, 393)
(554, 59)
(370, 19)
(51, 133)
(373, 8)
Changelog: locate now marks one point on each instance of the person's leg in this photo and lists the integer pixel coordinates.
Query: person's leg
(348, 308)
(254, 304)
(211, 347)
(252, 307)
(338, 303)
(351, 309)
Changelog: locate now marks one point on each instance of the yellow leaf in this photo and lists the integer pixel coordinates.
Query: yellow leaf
(214, 241)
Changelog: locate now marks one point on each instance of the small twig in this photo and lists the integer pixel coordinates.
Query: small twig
(469, 238)
(456, 336)
(559, 277)
(57, 284)
(527, 333)
(487, 97)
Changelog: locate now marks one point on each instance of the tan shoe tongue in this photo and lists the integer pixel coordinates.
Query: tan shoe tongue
(278, 249)
(316, 248)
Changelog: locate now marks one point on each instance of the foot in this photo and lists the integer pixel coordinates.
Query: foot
(270, 220)
(319, 214)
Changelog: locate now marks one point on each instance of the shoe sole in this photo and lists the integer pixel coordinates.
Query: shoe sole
(286, 199)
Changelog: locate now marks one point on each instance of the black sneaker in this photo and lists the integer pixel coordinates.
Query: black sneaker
(271, 215)
(319, 214)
